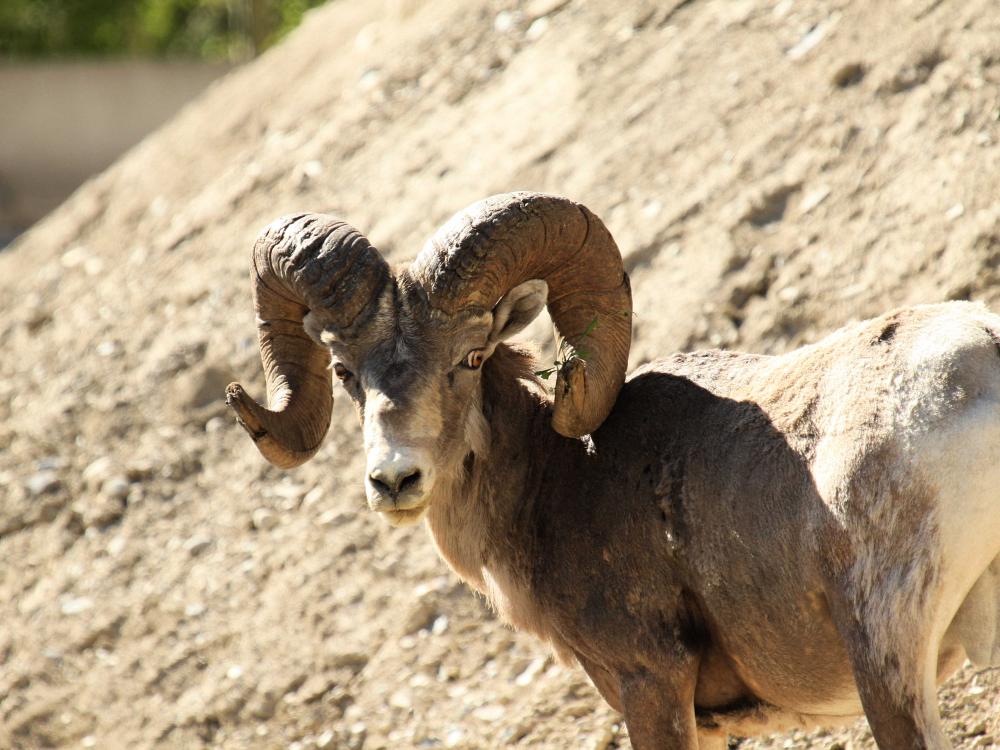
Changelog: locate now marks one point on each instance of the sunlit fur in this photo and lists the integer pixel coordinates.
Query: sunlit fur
(747, 543)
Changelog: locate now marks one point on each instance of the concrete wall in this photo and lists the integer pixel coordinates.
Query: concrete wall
(62, 122)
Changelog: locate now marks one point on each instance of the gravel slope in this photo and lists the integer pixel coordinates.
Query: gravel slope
(771, 171)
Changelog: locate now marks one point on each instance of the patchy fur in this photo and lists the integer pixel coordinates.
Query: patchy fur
(747, 543)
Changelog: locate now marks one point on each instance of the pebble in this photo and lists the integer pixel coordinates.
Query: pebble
(505, 20)
(528, 675)
(116, 488)
(440, 625)
(491, 713)
(98, 512)
(43, 482)
(978, 728)
(328, 518)
(98, 472)
(401, 699)
(313, 496)
(813, 198)
(537, 29)
(74, 605)
(264, 519)
(195, 545)
(325, 740)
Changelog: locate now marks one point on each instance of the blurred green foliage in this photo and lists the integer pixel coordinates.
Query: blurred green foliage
(206, 29)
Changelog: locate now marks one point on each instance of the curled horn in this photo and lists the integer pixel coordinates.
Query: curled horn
(492, 246)
(304, 263)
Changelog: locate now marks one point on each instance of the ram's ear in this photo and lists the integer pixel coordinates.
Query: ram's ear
(517, 309)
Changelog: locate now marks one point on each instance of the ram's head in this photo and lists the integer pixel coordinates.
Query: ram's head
(410, 347)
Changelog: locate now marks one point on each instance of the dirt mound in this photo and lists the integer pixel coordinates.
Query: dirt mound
(770, 169)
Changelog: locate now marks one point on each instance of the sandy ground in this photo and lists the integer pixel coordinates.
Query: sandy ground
(771, 170)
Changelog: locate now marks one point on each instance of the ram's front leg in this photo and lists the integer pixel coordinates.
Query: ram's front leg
(659, 709)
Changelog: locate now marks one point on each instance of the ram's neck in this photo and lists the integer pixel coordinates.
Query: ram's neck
(487, 528)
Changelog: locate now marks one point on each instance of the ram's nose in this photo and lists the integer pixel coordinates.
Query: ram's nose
(394, 484)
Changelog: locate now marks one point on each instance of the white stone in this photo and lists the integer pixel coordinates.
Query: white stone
(74, 605)
(97, 471)
(264, 519)
(116, 487)
(440, 625)
(41, 482)
(538, 27)
(531, 671)
(491, 713)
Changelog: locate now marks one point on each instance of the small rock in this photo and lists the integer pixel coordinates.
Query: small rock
(108, 348)
(490, 713)
(789, 294)
(194, 609)
(955, 212)
(985, 740)
(140, 471)
(115, 488)
(528, 675)
(505, 20)
(849, 74)
(195, 545)
(98, 512)
(358, 733)
(116, 546)
(264, 519)
(440, 625)
(808, 42)
(325, 740)
(43, 482)
(313, 496)
(454, 737)
(98, 472)
(977, 729)
(74, 605)
(537, 29)
(234, 672)
(401, 699)
(813, 198)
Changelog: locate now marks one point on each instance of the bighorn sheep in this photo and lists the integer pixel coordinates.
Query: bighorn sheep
(727, 543)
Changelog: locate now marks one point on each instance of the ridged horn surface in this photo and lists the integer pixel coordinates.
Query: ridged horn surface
(492, 246)
(303, 263)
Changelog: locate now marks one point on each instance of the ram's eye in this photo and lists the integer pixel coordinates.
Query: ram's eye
(474, 359)
(342, 373)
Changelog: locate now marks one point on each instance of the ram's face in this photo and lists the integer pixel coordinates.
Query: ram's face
(415, 378)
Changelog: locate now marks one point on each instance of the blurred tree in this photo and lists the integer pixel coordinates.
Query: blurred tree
(208, 29)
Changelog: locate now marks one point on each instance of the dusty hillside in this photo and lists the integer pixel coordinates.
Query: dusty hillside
(770, 169)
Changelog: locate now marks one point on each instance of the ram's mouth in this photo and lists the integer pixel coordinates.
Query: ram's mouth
(406, 517)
